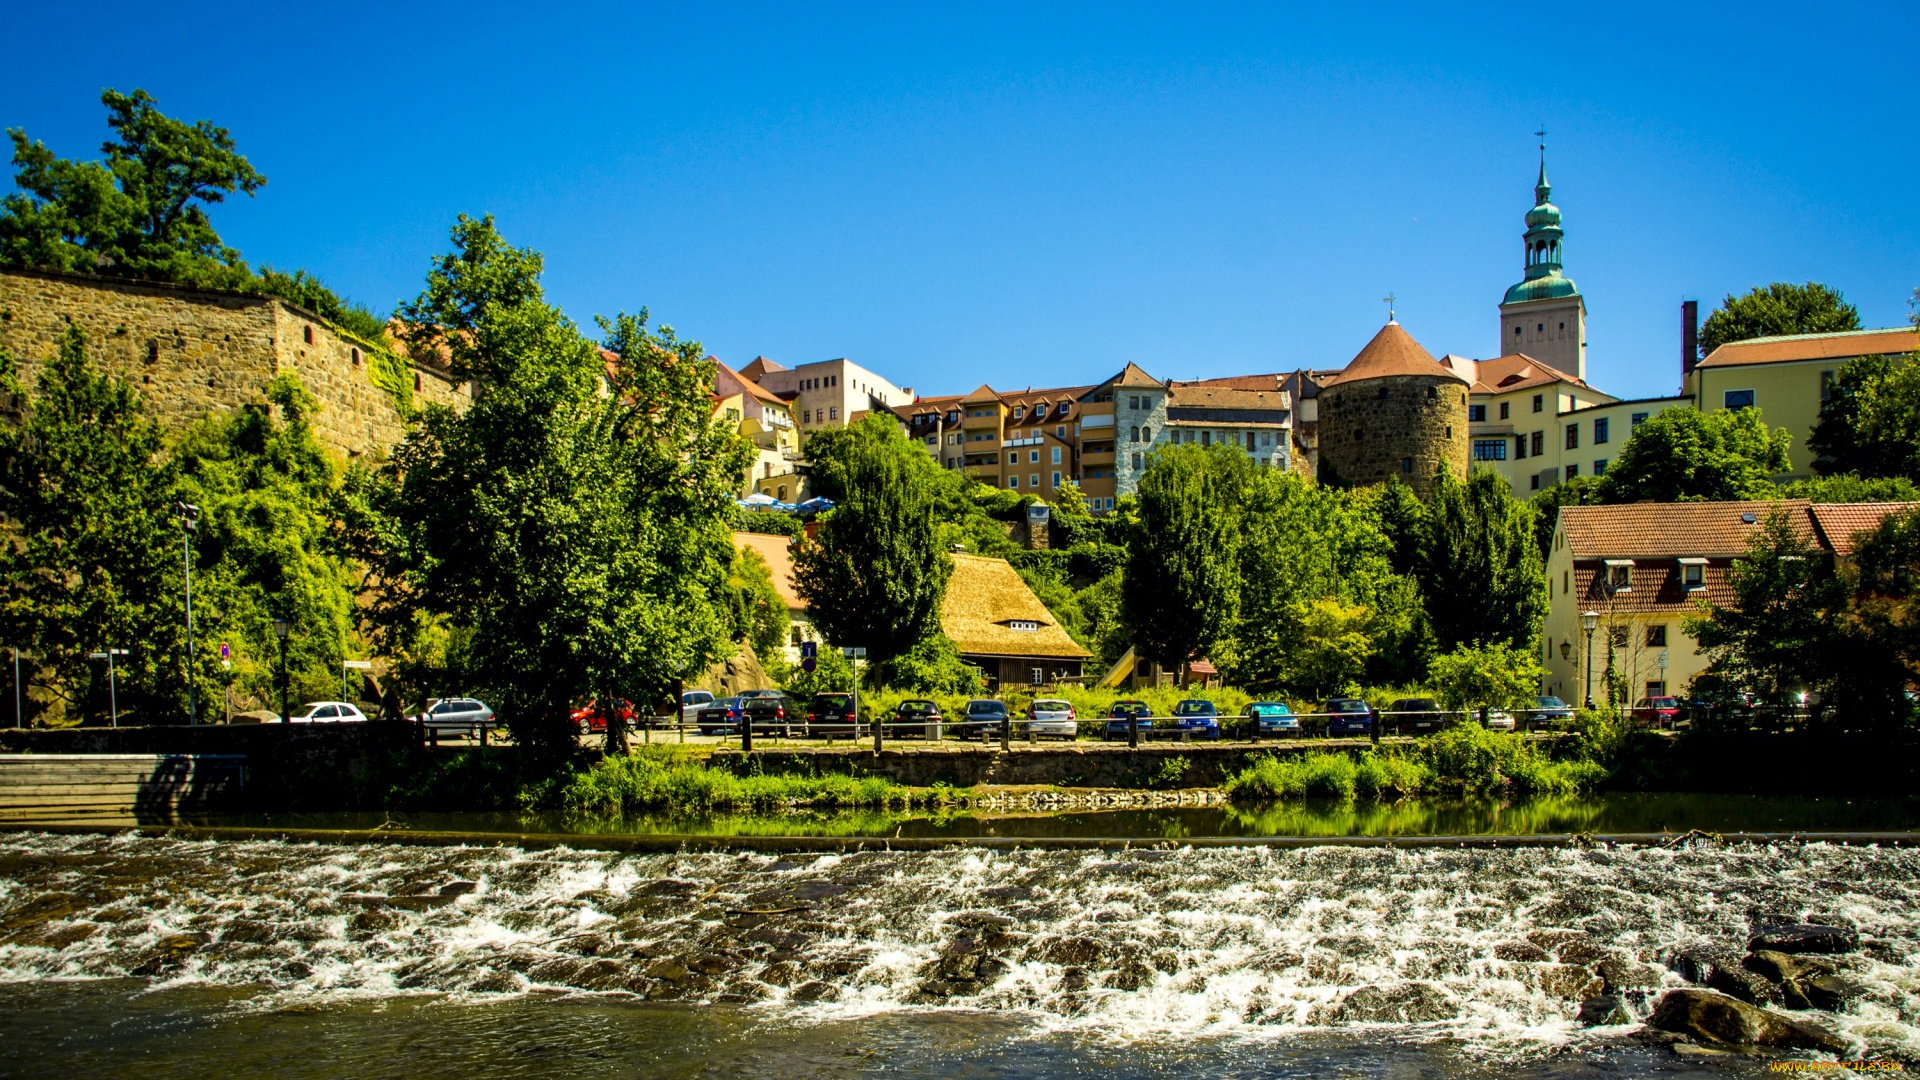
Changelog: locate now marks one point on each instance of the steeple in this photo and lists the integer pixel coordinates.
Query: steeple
(1544, 315)
(1542, 240)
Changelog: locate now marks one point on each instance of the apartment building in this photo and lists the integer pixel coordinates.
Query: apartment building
(764, 420)
(1027, 441)
(826, 393)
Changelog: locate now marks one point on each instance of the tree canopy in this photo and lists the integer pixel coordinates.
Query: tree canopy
(1870, 425)
(1185, 547)
(1777, 309)
(1686, 455)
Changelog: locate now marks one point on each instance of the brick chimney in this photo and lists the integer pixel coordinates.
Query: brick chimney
(1689, 337)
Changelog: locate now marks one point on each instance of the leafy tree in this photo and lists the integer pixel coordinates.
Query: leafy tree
(1579, 491)
(264, 549)
(932, 666)
(141, 212)
(580, 535)
(756, 614)
(1776, 637)
(1779, 308)
(308, 291)
(876, 571)
(1331, 647)
(1481, 571)
(1870, 425)
(93, 558)
(1848, 488)
(1185, 547)
(1686, 455)
(1886, 621)
(1495, 676)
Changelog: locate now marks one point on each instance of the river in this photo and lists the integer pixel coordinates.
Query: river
(160, 957)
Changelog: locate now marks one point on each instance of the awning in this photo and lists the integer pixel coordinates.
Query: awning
(1618, 562)
(1693, 561)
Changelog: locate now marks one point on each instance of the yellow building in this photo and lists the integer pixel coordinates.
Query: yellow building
(763, 419)
(1788, 378)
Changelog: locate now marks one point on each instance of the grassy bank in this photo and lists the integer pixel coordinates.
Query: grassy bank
(656, 778)
(1463, 760)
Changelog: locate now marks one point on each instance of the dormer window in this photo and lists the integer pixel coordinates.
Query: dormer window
(1018, 411)
(1693, 574)
(1027, 626)
(1061, 408)
(1620, 575)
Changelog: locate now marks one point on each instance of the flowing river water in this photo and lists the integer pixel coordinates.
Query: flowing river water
(160, 957)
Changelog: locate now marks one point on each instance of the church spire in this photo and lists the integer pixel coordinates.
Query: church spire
(1541, 189)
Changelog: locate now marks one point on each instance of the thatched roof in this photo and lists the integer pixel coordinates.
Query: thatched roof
(985, 599)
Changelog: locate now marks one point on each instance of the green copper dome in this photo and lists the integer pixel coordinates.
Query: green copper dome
(1544, 281)
(1548, 287)
(1543, 214)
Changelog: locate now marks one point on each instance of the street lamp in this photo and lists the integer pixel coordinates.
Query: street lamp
(189, 516)
(113, 694)
(1589, 620)
(280, 627)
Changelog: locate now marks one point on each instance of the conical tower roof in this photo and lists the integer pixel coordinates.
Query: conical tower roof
(1393, 352)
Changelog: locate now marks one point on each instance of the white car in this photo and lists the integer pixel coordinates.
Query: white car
(327, 712)
(457, 714)
(691, 702)
(1499, 721)
(1050, 717)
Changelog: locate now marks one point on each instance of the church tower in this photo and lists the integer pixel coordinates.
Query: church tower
(1545, 316)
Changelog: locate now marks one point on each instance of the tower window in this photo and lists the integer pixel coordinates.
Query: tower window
(1406, 464)
(1540, 329)
(1516, 331)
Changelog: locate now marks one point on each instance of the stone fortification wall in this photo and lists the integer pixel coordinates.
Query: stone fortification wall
(197, 352)
(1405, 426)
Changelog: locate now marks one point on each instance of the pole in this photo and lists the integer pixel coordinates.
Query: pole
(18, 717)
(283, 678)
(1589, 667)
(186, 562)
(113, 693)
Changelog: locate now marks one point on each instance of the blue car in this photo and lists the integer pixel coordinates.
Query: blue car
(1275, 718)
(1121, 717)
(1198, 716)
(720, 717)
(1349, 716)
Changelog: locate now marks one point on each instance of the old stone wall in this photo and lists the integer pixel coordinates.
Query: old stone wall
(198, 352)
(1405, 426)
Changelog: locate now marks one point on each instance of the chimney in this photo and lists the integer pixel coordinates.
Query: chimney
(1689, 337)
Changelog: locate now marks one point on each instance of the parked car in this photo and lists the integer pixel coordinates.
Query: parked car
(327, 712)
(1349, 716)
(1198, 716)
(720, 717)
(916, 716)
(1657, 711)
(1500, 720)
(832, 714)
(984, 716)
(592, 721)
(691, 702)
(1120, 718)
(1275, 719)
(1546, 712)
(456, 714)
(1052, 718)
(769, 711)
(1414, 716)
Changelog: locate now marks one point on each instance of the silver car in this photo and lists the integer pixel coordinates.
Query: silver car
(457, 714)
(692, 702)
(1499, 721)
(1052, 718)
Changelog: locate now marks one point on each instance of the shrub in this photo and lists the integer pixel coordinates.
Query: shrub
(669, 778)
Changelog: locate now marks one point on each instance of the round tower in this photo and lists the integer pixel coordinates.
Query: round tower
(1394, 412)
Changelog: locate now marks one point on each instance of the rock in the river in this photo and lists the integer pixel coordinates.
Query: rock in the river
(1607, 1011)
(1782, 967)
(1743, 984)
(1697, 965)
(1829, 993)
(1568, 981)
(1723, 1021)
(1619, 974)
(1803, 938)
(170, 952)
(1401, 1003)
(1525, 952)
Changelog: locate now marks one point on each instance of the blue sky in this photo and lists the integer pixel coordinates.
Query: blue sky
(1035, 194)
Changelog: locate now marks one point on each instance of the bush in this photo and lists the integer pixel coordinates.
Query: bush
(669, 778)
(1466, 759)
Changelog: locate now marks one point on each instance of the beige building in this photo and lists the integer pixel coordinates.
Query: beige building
(827, 393)
(765, 421)
(1788, 378)
(1641, 569)
(779, 559)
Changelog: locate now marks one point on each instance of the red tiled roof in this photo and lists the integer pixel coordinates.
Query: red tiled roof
(1672, 530)
(1132, 375)
(759, 368)
(1192, 396)
(1786, 349)
(1656, 587)
(1393, 352)
(1240, 382)
(1840, 523)
(1504, 374)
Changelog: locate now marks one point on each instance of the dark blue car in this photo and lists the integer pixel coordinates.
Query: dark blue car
(1198, 716)
(1349, 716)
(720, 717)
(1121, 717)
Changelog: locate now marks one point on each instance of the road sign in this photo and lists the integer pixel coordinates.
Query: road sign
(854, 653)
(809, 650)
(225, 654)
(358, 665)
(808, 663)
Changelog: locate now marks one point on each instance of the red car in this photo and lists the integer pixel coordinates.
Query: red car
(1657, 711)
(592, 721)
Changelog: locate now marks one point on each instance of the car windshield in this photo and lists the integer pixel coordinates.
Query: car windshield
(1127, 708)
(1346, 705)
(1268, 708)
(1664, 703)
(918, 708)
(1549, 702)
(985, 708)
(833, 701)
(1191, 707)
(1419, 704)
(1051, 706)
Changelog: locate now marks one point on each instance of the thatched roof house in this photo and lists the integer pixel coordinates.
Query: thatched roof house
(995, 621)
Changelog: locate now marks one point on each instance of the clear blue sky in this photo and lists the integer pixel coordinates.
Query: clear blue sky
(1035, 194)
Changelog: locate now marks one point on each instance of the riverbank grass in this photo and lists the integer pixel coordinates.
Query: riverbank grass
(1463, 760)
(667, 778)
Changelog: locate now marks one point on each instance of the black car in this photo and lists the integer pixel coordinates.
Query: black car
(1349, 716)
(983, 719)
(832, 714)
(771, 713)
(916, 716)
(1415, 716)
(1546, 712)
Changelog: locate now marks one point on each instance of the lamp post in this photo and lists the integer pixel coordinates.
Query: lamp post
(280, 627)
(189, 516)
(19, 720)
(113, 694)
(1589, 620)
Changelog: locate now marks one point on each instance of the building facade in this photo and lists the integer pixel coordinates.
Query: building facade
(1394, 413)
(826, 393)
(764, 420)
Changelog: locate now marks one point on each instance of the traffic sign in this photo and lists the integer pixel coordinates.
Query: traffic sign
(358, 665)
(808, 663)
(854, 653)
(809, 650)
(224, 653)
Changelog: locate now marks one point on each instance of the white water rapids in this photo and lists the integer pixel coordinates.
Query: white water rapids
(1492, 948)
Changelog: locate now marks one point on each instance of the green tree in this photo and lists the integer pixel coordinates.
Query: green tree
(875, 573)
(1184, 546)
(1883, 657)
(1870, 425)
(1777, 309)
(1686, 455)
(1776, 637)
(1579, 491)
(1481, 572)
(1494, 676)
(265, 549)
(141, 212)
(93, 558)
(1849, 488)
(756, 613)
(580, 535)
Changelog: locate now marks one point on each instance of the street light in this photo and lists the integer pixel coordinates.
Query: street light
(1589, 620)
(280, 627)
(189, 516)
(113, 694)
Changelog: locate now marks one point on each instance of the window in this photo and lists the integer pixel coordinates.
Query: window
(833, 413)
(1136, 463)
(1693, 573)
(356, 357)
(1619, 577)
(1061, 409)
(1033, 457)
(1013, 457)
(1056, 479)
(1249, 440)
(793, 636)
(953, 417)
(1023, 625)
(1539, 443)
(1539, 402)
(1060, 432)
(1133, 434)
(1033, 481)
(1476, 413)
(1013, 481)
(1573, 469)
(1573, 436)
(1019, 411)
(1637, 419)
(1600, 433)
(1657, 636)
(1146, 434)
(1533, 482)
(1109, 502)
(1600, 467)
(1826, 387)
(1519, 447)
(1206, 438)
(1133, 401)
(1056, 455)
(1506, 408)
(1738, 399)
(308, 332)
(1406, 465)
(1617, 636)
(806, 416)
(1656, 688)
(1489, 449)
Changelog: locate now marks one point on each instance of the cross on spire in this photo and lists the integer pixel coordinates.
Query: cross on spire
(1388, 300)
